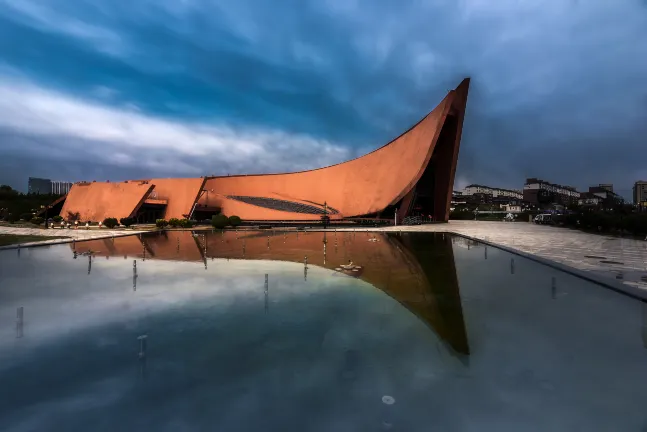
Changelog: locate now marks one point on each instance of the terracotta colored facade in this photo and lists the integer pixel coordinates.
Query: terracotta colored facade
(180, 195)
(97, 201)
(368, 185)
(411, 175)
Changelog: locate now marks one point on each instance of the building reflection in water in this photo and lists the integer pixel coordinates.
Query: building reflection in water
(20, 321)
(416, 270)
(266, 292)
(143, 339)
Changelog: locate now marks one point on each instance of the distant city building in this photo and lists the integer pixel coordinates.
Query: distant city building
(39, 186)
(457, 200)
(458, 197)
(540, 192)
(606, 186)
(61, 187)
(640, 193)
(512, 208)
(601, 195)
(43, 186)
(587, 199)
(495, 192)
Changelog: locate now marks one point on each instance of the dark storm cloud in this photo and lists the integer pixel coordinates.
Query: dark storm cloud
(557, 86)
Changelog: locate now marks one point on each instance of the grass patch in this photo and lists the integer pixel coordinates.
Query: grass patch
(11, 239)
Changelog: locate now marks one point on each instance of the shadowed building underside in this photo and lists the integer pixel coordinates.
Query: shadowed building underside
(411, 175)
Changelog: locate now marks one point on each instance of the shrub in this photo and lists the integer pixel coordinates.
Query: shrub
(186, 223)
(174, 222)
(600, 221)
(26, 216)
(234, 221)
(219, 221)
(37, 220)
(12, 218)
(161, 223)
(127, 221)
(110, 222)
(57, 218)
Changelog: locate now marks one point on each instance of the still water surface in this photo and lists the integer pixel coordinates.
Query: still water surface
(340, 331)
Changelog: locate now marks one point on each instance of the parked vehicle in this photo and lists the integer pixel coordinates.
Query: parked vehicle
(544, 219)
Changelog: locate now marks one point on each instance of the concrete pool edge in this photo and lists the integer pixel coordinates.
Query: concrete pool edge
(58, 241)
(635, 293)
(621, 288)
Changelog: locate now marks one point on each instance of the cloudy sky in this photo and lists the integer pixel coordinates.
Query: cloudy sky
(95, 89)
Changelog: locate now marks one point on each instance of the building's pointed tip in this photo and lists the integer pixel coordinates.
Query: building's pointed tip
(463, 89)
(464, 83)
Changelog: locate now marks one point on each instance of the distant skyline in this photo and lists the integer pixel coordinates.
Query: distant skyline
(95, 90)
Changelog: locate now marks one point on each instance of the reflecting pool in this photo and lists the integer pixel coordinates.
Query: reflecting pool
(311, 331)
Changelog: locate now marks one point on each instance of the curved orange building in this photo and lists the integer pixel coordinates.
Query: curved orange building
(411, 175)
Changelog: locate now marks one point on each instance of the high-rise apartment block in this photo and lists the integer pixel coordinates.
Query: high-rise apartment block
(537, 191)
(43, 186)
(640, 193)
(61, 187)
(39, 186)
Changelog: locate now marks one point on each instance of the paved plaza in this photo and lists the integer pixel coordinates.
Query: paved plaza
(76, 234)
(608, 259)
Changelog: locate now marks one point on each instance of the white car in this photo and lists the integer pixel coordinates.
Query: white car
(544, 219)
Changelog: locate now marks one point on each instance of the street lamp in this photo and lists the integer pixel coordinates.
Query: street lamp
(325, 219)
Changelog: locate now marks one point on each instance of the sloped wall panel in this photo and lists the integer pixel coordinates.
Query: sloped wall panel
(362, 186)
